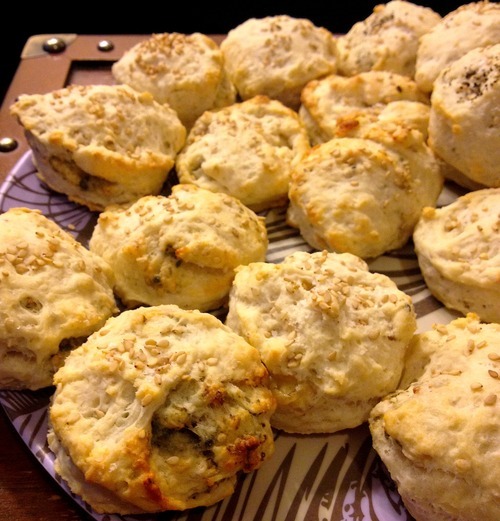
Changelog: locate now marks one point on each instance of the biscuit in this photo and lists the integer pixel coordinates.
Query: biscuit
(245, 150)
(388, 39)
(324, 102)
(54, 294)
(332, 335)
(161, 409)
(464, 121)
(439, 437)
(472, 25)
(458, 250)
(181, 249)
(364, 192)
(184, 70)
(100, 144)
(277, 55)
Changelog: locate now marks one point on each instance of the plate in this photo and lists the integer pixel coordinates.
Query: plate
(310, 477)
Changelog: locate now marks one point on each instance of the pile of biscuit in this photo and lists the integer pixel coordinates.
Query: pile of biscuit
(160, 405)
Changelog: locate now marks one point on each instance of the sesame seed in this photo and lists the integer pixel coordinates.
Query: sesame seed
(163, 342)
(128, 345)
(494, 356)
(473, 327)
(146, 400)
(493, 374)
(181, 358)
(491, 399)
(440, 328)
(173, 460)
(212, 361)
(476, 386)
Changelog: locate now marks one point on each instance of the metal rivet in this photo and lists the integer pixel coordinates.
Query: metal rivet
(105, 45)
(7, 144)
(54, 45)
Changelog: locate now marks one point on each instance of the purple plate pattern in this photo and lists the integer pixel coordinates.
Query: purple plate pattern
(336, 477)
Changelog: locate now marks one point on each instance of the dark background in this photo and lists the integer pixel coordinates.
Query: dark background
(139, 17)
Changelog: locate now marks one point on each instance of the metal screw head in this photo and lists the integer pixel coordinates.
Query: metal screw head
(54, 45)
(105, 45)
(7, 144)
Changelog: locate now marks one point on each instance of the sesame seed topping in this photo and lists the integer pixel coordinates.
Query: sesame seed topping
(440, 328)
(146, 400)
(491, 399)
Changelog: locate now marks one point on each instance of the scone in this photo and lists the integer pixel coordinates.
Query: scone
(472, 25)
(458, 250)
(184, 70)
(332, 334)
(388, 39)
(277, 55)
(54, 294)
(246, 150)
(326, 101)
(439, 438)
(363, 193)
(100, 144)
(464, 121)
(178, 249)
(161, 409)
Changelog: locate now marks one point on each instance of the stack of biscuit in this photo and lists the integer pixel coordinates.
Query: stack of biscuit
(354, 137)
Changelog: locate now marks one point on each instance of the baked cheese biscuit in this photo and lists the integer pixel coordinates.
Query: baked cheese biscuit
(246, 150)
(458, 250)
(184, 70)
(472, 25)
(388, 39)
(178, 249)
(464, 121)
(54, 294)
(332, 334)
(326, 101)
(363, 192)
(277, 55)
(161, 409)
(100, 144)
(439, 437)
